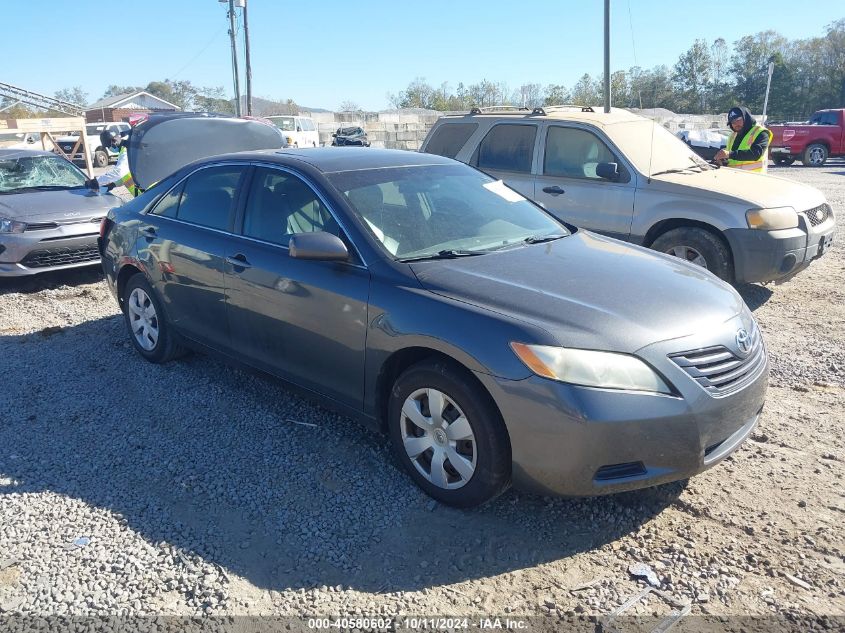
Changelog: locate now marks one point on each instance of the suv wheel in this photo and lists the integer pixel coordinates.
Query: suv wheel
(148, 327)
(698, 246)
(101, 158)
(815, 155)
(448, 436)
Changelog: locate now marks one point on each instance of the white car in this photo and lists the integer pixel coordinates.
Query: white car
(299, 131)
(100, 156)
(12, 139)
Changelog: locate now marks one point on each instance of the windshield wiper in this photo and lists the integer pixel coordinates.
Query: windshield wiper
(677, 170)
(48, 188)
(539, 239)
(444, 254)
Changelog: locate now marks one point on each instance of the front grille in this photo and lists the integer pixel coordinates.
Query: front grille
(718, 370)
(818, 215)
(60, 256)
(41, 226)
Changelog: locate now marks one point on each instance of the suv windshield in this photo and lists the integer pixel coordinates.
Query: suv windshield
(442, 211)
(38, 173)
(284, 123)
(652, 148)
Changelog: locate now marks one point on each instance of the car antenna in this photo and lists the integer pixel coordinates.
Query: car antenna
(651, 150)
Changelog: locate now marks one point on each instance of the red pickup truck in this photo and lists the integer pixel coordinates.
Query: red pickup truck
(811, 142)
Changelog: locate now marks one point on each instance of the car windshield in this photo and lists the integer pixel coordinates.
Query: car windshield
(284, 123)
(652, 148)
(442, 211)
(23, 173)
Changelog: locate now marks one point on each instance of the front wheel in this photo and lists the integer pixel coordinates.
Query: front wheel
(148, 327)
(448, 435)
(697, 246)
(101, 158)
(815, 155)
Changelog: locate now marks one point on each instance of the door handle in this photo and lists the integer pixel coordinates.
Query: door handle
(149, 232)
(238, 261)
(555, 191)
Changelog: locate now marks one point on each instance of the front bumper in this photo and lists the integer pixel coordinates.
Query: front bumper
(763, 256)
(35, 252)
(577, 441)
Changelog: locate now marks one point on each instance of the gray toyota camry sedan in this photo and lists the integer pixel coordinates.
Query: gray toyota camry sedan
(493, 343)
(48, 219)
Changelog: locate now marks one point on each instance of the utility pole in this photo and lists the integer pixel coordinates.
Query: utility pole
(234, 58)
(607, 55)
(768, 85)
(248, 66)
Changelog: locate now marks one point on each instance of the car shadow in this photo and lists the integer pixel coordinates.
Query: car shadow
(240, 471)
(51, 280)
(754, 295)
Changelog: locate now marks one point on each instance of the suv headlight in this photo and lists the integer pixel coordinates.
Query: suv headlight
(772, 219)
(11, 226)
(590, 368)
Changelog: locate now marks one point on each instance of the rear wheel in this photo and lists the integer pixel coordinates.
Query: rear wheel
(783, 161)
(448, 435)
(101, 158)
(815, 155)
(697, 246)
(148, 327)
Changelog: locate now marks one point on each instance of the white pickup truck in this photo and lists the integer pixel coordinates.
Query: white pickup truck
(100, 156)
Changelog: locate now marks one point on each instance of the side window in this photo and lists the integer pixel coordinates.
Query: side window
(208, 197)
(575, 153)
(168, 205)
(449, 138)
(508, 148)
(830, 118)
(281, 205)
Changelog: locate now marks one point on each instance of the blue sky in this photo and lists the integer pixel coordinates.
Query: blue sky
(323, 53)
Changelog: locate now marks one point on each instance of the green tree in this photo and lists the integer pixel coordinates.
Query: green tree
(556, 94)
(73, 95)
(586, 92)
(691, 77)
(749, 66)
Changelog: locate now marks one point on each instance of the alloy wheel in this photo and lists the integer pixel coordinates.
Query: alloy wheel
(689, 254)
(438, 438)
(143, 319)
(816, 156)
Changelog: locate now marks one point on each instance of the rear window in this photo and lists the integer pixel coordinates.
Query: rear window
(448, 139)
(508, 148)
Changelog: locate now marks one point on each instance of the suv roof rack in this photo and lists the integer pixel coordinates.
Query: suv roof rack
(542, 111)
(500, 109)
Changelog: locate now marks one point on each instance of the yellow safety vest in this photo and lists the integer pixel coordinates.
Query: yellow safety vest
(760, 165)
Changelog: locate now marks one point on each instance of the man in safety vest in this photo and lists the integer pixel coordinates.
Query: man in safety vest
(118, 176)
(748, 143)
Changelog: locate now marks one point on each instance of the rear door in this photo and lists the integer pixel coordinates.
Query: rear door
(568, 187)
(302, 320)
(187, 235)
(507, 152)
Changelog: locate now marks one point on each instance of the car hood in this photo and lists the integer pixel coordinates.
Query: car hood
(589, 291)
(71, 205)
(734, 185)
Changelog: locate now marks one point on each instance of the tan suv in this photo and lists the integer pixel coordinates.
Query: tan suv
(622, 175)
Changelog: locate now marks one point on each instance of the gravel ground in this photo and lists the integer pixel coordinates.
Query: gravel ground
(195, 489)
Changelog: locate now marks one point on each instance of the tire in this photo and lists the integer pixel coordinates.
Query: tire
(480, 442)
(783, 161)
(815, 155)
(698, 246)
(149, 330)
(101, 158)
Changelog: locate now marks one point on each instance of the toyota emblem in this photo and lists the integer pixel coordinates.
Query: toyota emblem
(743, 341)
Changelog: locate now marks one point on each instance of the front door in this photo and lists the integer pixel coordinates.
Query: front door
(568, 187)
(303, 320)
(187, 233)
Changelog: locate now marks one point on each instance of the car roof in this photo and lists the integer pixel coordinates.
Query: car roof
(21, 153)
(334, 159)
(584, 114)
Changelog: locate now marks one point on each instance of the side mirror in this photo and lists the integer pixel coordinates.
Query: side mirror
(320, 246)
(608, 171)
(334, 134)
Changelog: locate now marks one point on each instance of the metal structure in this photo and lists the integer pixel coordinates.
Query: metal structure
(607, 55)
(21, 95)
(47, 128)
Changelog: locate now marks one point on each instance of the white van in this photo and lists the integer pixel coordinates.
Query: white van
(299, 131)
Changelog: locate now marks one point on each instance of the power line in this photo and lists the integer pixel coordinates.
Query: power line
(197, 56)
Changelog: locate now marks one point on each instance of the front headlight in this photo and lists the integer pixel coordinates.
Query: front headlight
(289, 140)
(11, 226)
(590, 368)
(772, 219)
